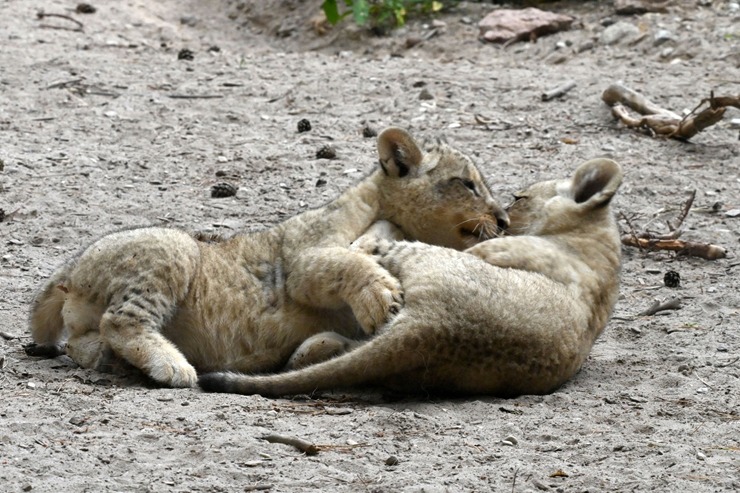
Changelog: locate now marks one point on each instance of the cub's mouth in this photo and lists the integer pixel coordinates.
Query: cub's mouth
(482, 231)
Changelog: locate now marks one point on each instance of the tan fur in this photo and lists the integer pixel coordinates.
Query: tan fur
(169, 302)
(515, 315)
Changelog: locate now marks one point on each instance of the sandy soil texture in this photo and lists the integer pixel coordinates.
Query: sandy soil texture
(106, 127)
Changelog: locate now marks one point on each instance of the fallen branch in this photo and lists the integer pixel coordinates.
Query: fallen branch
(669, 241)
(672, 304)
(561, 90)
(194, 96)
(693, 249)
(660, 121)
(307, 448)
(41, 15)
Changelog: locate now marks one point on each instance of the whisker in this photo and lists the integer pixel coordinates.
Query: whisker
(467, 221)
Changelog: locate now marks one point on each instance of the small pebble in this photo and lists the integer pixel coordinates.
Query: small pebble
(222, 190)
(672, 279)
(425, 95)
(188, 20)
(185, 54)
(368, 132)
(662, 36)
(619, 32)
(326, 152)
(391, 461)
(304, 126)
(85, 8)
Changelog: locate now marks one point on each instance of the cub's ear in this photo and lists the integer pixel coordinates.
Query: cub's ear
(398, 152)
(595, 182)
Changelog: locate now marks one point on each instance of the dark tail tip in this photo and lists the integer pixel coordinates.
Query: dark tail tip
(215, 382)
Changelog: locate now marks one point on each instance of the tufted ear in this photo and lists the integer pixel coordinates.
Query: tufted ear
(595, 182)
(398, 153)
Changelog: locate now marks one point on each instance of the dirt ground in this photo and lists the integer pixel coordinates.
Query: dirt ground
(106, 128)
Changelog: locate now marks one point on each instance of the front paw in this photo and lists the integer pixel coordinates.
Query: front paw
(377, 303)
(371, 245)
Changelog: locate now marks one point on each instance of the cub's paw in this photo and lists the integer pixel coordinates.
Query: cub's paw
(371, 245)
(173, 372)
(318, 348)
(377, 302)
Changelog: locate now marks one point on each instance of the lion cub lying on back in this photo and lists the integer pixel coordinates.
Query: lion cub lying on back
(168, 303)
(516, 315)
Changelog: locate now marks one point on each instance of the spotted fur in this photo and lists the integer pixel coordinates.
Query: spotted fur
(170, 303)
(514, 315)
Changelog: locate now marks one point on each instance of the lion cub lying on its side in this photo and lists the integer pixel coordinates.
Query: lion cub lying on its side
(515, 315)
(168, 303)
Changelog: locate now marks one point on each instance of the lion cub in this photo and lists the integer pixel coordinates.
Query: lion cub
(515, 315)
(169, 304)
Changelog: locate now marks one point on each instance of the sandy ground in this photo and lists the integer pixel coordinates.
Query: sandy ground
(105, 128)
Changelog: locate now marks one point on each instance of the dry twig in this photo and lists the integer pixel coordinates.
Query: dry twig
(561, 90)
(307, 448)
(41, 15)
(661, 121)
(669, 241)
(693, 249)
(672, 304)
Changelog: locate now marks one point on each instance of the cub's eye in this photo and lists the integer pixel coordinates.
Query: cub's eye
(469, 184)
(517, 198)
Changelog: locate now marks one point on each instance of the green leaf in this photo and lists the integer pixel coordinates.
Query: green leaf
(331, 11)
(361, 11)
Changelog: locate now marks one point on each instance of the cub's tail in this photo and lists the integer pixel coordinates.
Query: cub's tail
(47, 325)
(381, 358)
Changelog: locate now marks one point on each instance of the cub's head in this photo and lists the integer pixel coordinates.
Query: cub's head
(434, 193)
(563, 206)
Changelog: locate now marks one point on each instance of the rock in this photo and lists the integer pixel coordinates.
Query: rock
(425, 95)
(186, 54)
(662, 36)
(304, 125)
(504, 25)
(326, 152)
(223, 189)
(618, 33)
(632, 7)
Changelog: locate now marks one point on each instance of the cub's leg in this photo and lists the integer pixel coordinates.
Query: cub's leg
(334, 276)
(320, 347)
(327, 345)
(133, 333)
